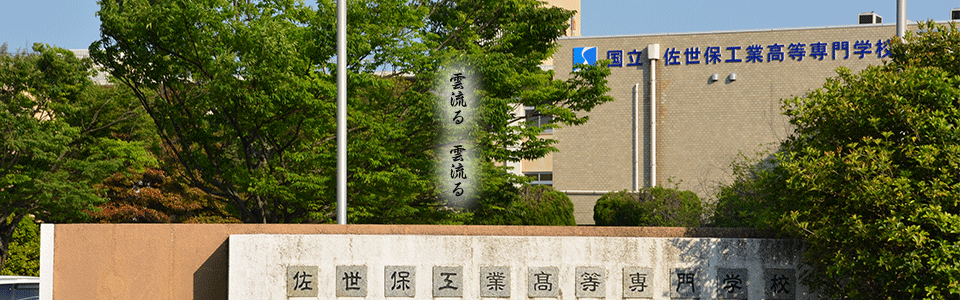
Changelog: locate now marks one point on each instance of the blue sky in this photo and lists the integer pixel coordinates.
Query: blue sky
(73, 23)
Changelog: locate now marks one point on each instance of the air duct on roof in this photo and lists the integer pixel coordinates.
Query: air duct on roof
(870, 18)
(955, 14)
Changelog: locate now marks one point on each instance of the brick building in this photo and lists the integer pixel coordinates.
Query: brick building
(716, 94)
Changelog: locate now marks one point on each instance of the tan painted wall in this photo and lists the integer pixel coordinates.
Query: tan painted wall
(574, 29)
(186, 261)
(573, 5)
(544, 164)
(701, 125)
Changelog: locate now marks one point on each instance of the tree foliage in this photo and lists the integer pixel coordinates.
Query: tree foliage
(59, 134)
(656, 206)
(872, 175)
(243, 93)
(750, 199)
(24, 258)
(152, 196)
(529, 205)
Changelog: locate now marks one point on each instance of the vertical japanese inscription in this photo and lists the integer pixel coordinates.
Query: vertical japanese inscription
(302, 281)
(637, 282)
(456, 166)
(399, 281)
(351, 281)
(457, 102)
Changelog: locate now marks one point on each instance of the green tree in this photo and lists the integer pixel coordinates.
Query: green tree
(56, 138)
(152, 196)
(528, 205)
(244, 95)
(750, 199)
(872, 174)
(656, 206)
(24, 257)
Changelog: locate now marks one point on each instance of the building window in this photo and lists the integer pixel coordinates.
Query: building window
(534, 118)
(540, 178)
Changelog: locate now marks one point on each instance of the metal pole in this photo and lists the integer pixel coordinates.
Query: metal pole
(341, 112)
(901, 18)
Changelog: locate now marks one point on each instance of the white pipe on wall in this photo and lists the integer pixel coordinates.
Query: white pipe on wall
(636, 137)
(584, 192)
(653, 53)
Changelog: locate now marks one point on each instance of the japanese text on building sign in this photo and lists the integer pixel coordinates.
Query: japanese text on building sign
(755, 53)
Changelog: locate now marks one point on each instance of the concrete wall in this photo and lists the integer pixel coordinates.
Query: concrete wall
(511, 267)
(184, 261)
(701, 125)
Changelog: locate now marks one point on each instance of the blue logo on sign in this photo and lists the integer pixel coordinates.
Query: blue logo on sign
(584, 55)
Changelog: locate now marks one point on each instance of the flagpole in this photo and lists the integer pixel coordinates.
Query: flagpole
(341, 112)
(901, 18)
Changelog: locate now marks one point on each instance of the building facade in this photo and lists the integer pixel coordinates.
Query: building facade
(686, 105)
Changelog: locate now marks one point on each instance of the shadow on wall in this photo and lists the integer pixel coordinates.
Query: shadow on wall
(732, 268)
(210, 280)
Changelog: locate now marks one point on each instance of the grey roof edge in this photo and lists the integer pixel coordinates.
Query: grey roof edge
(741, 31)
